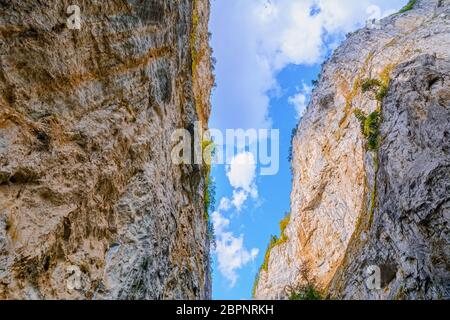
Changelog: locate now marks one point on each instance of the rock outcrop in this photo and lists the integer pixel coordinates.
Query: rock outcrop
(371, 191)
(91, 205)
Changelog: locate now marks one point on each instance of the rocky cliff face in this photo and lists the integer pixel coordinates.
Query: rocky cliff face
(371, 166)
(91, 205)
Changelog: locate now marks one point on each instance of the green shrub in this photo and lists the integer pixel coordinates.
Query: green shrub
(209, 195)
(380, 88)
(381, 93)
(370, 126)
(307, 292)
(308, 289)
(211, 234)
(265, 266)
(208, 152)
(284, 223)
(255, 283)
(293, 133)
(209, 190)
(361, 118)
(274, 241)
(409, 6)
(208, 149)
(370, 84)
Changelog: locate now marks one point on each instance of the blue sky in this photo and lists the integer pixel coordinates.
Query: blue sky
(268, 52)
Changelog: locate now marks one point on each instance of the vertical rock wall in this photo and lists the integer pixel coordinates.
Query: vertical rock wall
(91, 205)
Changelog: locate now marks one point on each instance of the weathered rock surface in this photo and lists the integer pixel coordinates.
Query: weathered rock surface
(91, 205)
(390, 208)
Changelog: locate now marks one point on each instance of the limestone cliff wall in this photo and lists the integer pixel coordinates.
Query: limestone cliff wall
(91, 205)
(354, 205)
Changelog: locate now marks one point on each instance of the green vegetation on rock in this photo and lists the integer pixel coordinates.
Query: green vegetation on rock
(209, 195)
(370, 84)
(370, 126)
(378, 87)
(409, 6)
(308, 288)
(209, 190)
(274, 241)
(308, 292)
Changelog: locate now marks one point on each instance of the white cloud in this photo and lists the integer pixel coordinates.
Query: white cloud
(224, 204)
(255, 39)
(239, 197)
(286, 32)
(242, 172)
(230, 251)
(219, 222)
(300, 100)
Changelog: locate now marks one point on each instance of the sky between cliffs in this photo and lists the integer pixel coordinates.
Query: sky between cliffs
(268, 52)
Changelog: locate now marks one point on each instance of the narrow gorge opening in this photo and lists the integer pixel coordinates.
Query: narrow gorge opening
(269, 58)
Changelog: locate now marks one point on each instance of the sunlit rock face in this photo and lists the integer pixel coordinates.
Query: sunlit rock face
(357, 209)
(91, 206)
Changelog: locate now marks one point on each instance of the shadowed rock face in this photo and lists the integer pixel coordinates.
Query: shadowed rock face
(409, 236)
(353, 208)
(91, 205)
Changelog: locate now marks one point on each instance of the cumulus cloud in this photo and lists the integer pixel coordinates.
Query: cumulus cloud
(239, 198)
(241, 174)
(255, 39)
(230, 250)
(224, 204)
(242, 171)
(219, 222)
(300, 100)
